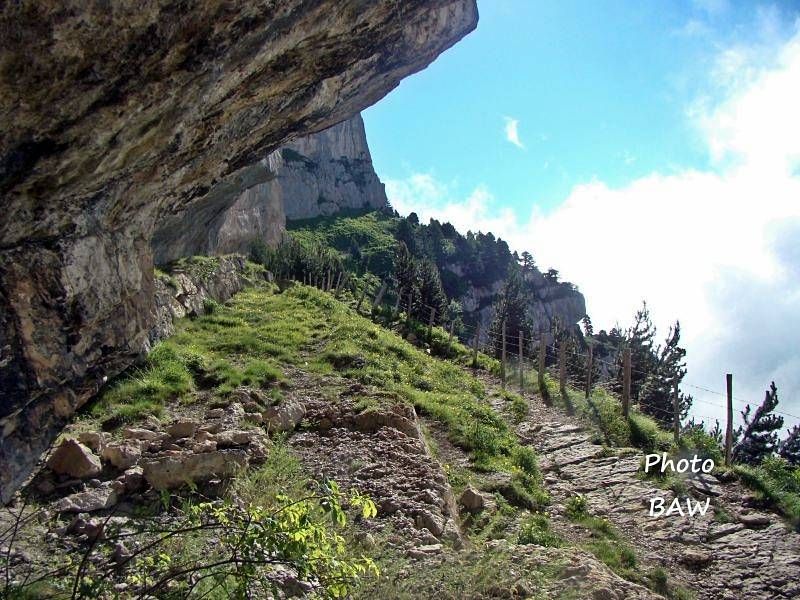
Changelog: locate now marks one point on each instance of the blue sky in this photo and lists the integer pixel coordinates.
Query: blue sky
(662, 137)
(599, 89)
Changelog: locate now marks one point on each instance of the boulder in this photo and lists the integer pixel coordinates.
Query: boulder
(99, 498)
(122, 454)
(74, 459)
(284, 417)
(182, 428)
(472, 500)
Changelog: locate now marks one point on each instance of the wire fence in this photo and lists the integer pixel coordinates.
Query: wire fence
(523, 349)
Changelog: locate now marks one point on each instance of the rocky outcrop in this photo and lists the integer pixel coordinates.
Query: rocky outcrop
(190, 284)
(548, 301)
(114, 119)
(316, 175)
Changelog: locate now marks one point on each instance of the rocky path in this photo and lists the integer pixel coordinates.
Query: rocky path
(733, 551)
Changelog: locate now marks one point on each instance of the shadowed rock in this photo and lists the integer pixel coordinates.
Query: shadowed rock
(112, 119)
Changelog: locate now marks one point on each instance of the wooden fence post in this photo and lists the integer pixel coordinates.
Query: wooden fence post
(361, 299)
(520, 348)
(338, 285)
(503, 357)
(475, 346)
(450, 337)
(396, 310)
(676, 415)
(729, 427)
(589, 368)
(540, 366)
(562, 368)
(626, 382)
(379, 295)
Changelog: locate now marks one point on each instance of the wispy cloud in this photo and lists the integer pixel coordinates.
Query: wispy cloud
(716, 248)
(512, 132)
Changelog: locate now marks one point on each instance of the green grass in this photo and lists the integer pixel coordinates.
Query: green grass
(604, 542)
(777, 483)
(536, 530)
(605, 411)
(247, 340)
(607, 545)
(165, 376)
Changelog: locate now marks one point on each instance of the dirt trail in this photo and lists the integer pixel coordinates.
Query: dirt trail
(743, 552)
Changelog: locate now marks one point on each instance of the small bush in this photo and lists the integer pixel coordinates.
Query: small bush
(536, 530)
(577, 507)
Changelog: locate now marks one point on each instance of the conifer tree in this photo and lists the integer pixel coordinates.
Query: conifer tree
(404, 269)
(790, 447)
(639, 338)
(758, 438)
(656, 397)
(430, 292)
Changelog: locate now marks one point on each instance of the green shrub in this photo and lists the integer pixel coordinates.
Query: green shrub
(577, 507)
(536, 530)
(777, 482)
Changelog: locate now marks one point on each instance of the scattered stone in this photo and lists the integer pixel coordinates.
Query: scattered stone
(182, 428)
(74, 459)
(92, 500)
(283, 417)
(472, 500)
(134, 433)
(424, 551)
(431, 522)
(173, 471)
(215, 413)
(93, 440)
(122, 454)
(754, 520)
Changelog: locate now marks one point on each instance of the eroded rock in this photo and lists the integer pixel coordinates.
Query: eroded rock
(114, 139)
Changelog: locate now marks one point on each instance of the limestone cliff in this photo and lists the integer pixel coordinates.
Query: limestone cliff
(548, 301)
(113, 117)
(316, 175)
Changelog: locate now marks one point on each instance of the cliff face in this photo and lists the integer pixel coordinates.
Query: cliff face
(548, 301)
(316, 175)
(114, 118)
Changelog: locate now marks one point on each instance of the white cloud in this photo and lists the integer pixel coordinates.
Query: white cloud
(717, 249)
(512, 132)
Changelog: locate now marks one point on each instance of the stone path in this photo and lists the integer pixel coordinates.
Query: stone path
(753, 555)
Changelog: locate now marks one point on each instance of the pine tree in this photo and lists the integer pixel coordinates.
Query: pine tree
(656, 397)
(430, 292)
(790, 447)
(404, 270)
(511, 307)
(639, 338)
(407, 235)
(758, 438)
